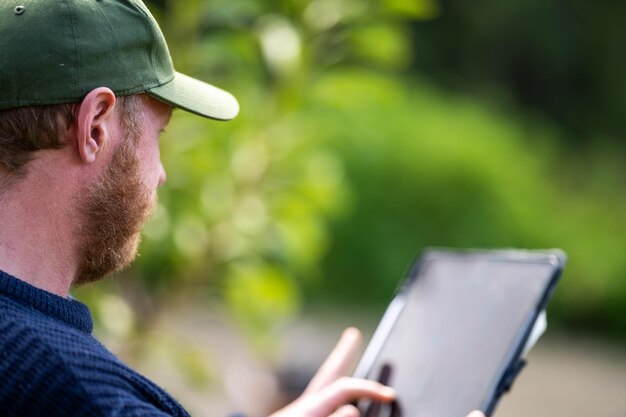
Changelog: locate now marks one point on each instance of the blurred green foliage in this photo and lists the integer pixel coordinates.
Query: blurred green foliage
(564, 58)
(345, 162)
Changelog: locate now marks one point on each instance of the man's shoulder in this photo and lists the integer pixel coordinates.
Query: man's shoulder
(46, 365)
(33, 361)
(24, 328)
(32, 344)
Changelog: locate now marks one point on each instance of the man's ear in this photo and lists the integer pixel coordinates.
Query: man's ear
(94, 123)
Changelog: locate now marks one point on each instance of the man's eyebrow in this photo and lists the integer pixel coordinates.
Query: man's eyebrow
(169, 116)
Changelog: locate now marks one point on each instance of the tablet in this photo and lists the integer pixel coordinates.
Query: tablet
(452, 339)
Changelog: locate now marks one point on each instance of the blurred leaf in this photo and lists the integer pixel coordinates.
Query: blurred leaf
(382, 44)
(415, 9)
(261, 296)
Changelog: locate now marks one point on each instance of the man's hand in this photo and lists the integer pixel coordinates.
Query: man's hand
(330, 391)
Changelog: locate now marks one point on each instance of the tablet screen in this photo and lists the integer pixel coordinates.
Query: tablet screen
(462, 319)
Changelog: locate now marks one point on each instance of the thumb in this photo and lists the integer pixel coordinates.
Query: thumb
(346, 411)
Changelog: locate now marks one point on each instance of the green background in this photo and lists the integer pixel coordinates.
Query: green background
(372, 129)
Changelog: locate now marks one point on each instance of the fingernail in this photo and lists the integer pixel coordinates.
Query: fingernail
(390, 392)
(352, 334)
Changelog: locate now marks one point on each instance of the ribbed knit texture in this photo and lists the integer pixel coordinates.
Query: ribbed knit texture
(51, 365)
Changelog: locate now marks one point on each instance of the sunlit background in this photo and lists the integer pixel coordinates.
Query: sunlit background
(370, 129)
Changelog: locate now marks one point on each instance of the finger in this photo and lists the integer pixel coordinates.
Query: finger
(345, 390)
(346, 411)
(338, 362)
(476, 413)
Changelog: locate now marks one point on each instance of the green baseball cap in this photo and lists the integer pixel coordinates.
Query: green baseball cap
(57, 51)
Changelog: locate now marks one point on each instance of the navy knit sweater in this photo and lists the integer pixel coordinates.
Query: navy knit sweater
(51, 365)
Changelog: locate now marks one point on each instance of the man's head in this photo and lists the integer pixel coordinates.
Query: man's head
(113, 151)
(89, 85)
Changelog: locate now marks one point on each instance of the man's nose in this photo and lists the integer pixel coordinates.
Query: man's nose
(162, 174)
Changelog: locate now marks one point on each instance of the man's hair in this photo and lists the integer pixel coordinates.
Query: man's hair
(26, 130)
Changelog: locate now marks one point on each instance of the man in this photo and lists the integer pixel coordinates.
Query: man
(86, 86)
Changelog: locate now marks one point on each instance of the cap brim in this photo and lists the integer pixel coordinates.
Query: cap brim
(197, 97)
